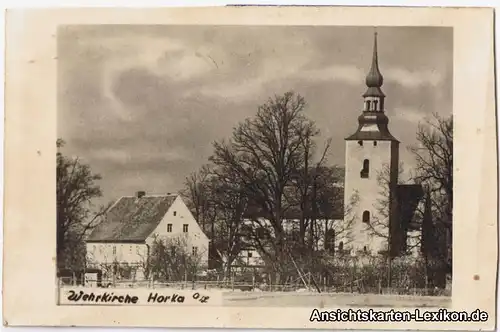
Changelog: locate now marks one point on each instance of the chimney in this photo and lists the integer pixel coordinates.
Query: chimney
(140, 194)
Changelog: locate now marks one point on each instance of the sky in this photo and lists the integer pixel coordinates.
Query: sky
(143, 104)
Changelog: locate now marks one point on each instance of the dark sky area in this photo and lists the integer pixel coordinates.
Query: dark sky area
(142, 104)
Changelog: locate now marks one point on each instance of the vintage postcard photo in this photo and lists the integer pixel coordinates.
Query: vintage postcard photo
(321, 167)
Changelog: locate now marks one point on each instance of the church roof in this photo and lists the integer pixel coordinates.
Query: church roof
(373, 123)
(378, 119)
(380, 135)
(374, 79)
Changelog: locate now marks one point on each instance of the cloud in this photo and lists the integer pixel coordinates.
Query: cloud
(285, 77)
(413, 79)
(109, 154)
(348, 74)
(345, 74)
(142, 104)
(408, 114)
(142, 154)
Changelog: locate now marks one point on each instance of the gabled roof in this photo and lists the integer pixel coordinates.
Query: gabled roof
(132, 219)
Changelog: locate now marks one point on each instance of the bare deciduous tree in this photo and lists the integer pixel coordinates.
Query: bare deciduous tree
(231, 203)
(221, 202)
(198, 196)
(171, 260)
(76, 188)
(434, 169)
(379, 222)
(434, 156)
(263, 155)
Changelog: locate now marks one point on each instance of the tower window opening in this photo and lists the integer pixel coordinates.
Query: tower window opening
(366, 217)
(366, 169)
(368, 105)
(375, 103)
(360, 143)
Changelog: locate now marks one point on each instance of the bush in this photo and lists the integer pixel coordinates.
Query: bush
(372, 272)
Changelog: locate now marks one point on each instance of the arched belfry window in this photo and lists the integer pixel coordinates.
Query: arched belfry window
(368, 105)
(366, 169)
(375, 103)
(366, 217)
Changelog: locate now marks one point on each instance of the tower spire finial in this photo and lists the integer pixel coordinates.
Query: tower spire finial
(374, 79)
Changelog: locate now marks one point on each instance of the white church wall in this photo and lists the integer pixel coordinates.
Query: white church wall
(370, 194)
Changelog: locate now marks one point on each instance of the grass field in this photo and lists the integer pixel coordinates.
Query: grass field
(288, 299)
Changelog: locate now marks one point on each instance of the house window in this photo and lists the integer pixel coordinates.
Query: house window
(195, 251)
(175, 213)
(366, 169)
(130, 249)
(366, 217)
(360, 143)
(341, 246)
(185, 228)
(249, 254)
(114, 250)
(169, 228)
(365, 249)
(374, 143)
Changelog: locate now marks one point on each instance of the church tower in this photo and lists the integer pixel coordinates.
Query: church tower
(371, 171)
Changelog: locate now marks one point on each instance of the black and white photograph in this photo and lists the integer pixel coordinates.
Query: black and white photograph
(266, 162)
(232, 164)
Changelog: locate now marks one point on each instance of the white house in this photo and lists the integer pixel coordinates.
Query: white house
(132, 224)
